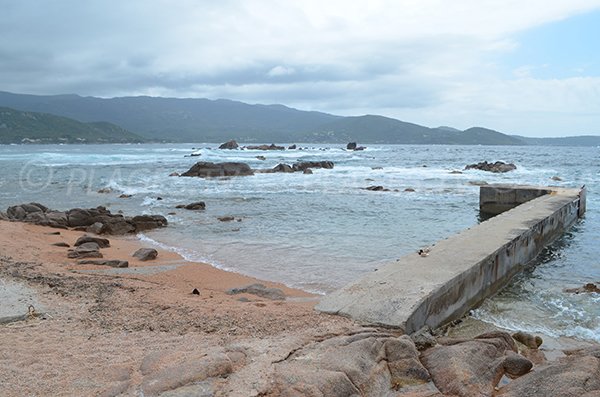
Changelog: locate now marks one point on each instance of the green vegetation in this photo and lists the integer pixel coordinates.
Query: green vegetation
(30, 127)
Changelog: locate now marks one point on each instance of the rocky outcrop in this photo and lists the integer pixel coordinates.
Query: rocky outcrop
(199, 205)
(259, 290)
(302, 165)
(145, 254)
(205, 169)
(100, 217)
(265, 147)
(497, 167)
(474, 367)
(362, 364)
(576, 375)
(229, 145)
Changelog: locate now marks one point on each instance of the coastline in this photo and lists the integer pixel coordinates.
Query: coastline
(102, 331)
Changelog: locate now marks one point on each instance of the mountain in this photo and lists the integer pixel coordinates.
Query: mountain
(204, 120)
(32, 127)
(581, 140)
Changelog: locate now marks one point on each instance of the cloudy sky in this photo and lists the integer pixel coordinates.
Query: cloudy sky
(522, 67)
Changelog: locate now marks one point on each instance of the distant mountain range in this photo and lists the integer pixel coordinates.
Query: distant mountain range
(17, 126)
(204, 120)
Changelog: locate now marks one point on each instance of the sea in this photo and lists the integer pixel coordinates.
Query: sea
(318, 232)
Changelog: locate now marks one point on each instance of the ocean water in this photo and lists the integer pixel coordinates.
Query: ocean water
(318, 232)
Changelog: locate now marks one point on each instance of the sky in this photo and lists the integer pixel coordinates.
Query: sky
(521, 67)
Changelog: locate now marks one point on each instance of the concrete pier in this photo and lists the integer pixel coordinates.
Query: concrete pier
(460, 272)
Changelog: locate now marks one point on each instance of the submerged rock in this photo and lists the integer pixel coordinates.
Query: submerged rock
(199, 205)
(205, 169)
(265, 147)
(377, 188)
(351, 146)
(497, 167)
(302, 165)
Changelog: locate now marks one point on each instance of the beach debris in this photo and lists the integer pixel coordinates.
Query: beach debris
(204, 169)
(226, 218)
(232, 144)
(497, 167)
(61, 244)
(199, 205)
(195, 291)
(589, 288)
(145, 254)
(527, 339)
(258, 290)
(101, 242)
(107, 262)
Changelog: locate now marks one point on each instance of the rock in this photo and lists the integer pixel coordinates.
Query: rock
(423, 339)
(174, 174)
(3, 216)
(302, 165)
(96, 228)
(362, 364)
(265, 147)
(377, 189)
(589, 288)
(195, 291)
(478, 183)
(147, 222)
(20, 212)
(556, 178)
(100, 242)
(210, 170)
(360, 148)
(409, 189)
(351, 146)
(105, 190)
(292, 147)
(126, 195)
(497, 167)
(85, 250)
(259, 290)
(376, 168)
(145, 254)
(307, 171)
(282, 168)
(455, 172)
(529, 340)
(516, 365)
(262, 158)
(226, 218)
(469, 367)
(199, 205)
(577, 374)
(195, 154)
(111, 263)
(61, 244)
(229, 145)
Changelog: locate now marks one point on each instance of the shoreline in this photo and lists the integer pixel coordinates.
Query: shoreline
(101, 331)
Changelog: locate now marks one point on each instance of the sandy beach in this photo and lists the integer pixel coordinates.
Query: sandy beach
(102, 331)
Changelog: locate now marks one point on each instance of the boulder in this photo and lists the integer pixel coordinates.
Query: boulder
(351, 146)
(106, 262)
(377, 189)
(229, 145)
(576, 375)
(145, 254)
(147, 222)
(282, 168)
(307, 171)
(85, 250)
(359, 148)
(226, 218)
(20, 212)
(205, 169)
(497, 167)
(261, 158)
(302, 165)
(100, 242)
(96, 228)
(587, 288)
(199, 205)
(265, 147)
(292, 147)
(365, 363)
(529, 340)
(258, 290)
(473, 367)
